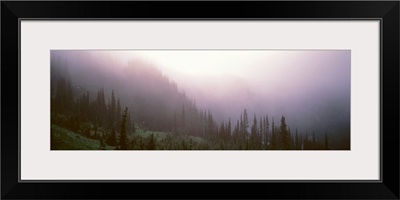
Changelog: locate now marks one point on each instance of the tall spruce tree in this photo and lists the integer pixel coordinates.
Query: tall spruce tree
(245, 122)
(273, 135)
(123, 139)
(285, 138)
(253, 135)
(266, 128)
(118, 114)
(112, 109)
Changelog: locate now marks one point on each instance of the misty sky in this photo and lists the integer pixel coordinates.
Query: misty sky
(310, 88)
(288, 83)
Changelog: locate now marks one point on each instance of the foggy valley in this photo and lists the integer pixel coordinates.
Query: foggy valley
(199, 98)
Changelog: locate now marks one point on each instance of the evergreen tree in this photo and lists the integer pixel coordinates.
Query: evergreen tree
(112, 109)
(209, 123)
(101, 107)
(236, 132)
(253, 136)
(273, 136)
(123, 139)
(229, 132)
(266, 127)
(245, 123)
(128, 123)
(118, 114)
(261, 132)
(242, 135)
(222, 131)
(285, 139)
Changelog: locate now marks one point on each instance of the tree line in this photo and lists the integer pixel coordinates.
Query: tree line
(103, 119)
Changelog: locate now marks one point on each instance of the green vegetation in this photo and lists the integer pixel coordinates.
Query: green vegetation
(63, 139)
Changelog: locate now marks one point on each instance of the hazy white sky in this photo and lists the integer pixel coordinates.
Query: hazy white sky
(200, 62)
(278, 82)
(281, 69)
(307, 86)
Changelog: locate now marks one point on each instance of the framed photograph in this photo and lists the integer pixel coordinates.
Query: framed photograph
(288, 96)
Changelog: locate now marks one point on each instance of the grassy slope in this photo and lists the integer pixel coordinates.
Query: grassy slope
(63, 139)
(161, 135)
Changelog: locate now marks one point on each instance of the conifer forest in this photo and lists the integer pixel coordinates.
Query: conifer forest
(200, 100)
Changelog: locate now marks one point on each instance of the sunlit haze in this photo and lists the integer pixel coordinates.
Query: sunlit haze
(264, 78)
(311, 88)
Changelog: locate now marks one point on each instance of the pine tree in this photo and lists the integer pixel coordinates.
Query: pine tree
(273, 136)
(101, 107)
(118, 114)
(261, 133)
(266, 127)
(112, 109)
(229, 132)
(236, 132)
(222, 131)
(285, 138)
(128, 123)
(245, 124)
(123, 140)
(242, 135)
(253, 136)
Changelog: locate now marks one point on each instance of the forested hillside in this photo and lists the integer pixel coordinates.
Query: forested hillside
(133, 106)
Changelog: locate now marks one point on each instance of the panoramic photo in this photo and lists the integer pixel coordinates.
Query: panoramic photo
(261, 100)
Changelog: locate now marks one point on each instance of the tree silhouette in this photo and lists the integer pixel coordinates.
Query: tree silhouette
(112, 109)
(253, 135)
(123, 140)
(118, 114)
(273, 135)
(285, 138)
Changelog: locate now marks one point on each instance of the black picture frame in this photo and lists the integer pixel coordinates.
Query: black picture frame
(386, 11)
